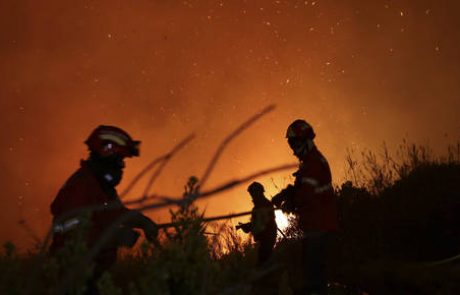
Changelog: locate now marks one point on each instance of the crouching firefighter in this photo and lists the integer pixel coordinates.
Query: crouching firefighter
(311, 198)
(89, 200)
(262, 225)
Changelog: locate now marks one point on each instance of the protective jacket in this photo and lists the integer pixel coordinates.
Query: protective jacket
(263, 224)
(89, 187)
(313, 195)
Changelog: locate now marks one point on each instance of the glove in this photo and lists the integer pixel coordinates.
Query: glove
(278, 199)
(283, 196)
(288, 206)
(285, 199)
(245, 227)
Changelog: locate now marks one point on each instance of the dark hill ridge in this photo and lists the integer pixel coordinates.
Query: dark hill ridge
(416, 218)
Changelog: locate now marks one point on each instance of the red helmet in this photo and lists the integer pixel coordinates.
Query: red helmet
(300, 129)
(111, 140)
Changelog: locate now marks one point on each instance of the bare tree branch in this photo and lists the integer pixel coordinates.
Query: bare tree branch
(246, 179)
(163, 160)
(166, 200)
(229, 138)
(207, 219)
(140, 174)
(107, 234)
(167, 158)
(214, 218)
(30, 231)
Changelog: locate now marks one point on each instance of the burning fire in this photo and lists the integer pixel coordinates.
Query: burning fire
(281, 220)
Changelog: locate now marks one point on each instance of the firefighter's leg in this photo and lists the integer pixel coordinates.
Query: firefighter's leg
(102, 263)
(265, 250)
(268, 283)
(314, 257)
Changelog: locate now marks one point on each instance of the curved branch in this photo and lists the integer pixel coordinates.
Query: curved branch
(167, 158)
(106, 235)
(229, 138)
(162, 159)
(221, 188)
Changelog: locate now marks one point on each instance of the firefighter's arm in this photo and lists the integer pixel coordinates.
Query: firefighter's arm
(259, 220)
(305, 189)
(283, 196)
(136, 219)
(130, 218)
(150, 229)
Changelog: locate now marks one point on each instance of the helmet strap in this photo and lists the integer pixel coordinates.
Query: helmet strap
(310, 145)
(304, 148)
(108, 169)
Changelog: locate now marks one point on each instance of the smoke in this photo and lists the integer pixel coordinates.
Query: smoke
(362, 72)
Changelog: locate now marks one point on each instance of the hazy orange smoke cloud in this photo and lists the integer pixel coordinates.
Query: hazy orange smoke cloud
(362, 72)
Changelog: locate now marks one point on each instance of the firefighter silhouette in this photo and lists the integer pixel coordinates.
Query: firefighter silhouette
(312, 199)
(262, 225)
(89, 200)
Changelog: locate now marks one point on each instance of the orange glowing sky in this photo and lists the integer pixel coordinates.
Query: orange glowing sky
(362, 72)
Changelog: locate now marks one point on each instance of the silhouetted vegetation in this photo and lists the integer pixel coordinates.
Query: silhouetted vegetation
(400, 222)
(400, 226)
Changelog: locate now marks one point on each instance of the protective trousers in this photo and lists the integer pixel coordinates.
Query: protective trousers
(315, 247)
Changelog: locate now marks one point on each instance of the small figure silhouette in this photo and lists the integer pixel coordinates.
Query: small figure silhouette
(263, 225)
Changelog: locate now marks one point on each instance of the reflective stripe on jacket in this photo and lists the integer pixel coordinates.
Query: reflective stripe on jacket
(83, 189)
(314, 195)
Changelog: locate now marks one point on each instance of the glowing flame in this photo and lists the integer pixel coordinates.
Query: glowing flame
(281, 220)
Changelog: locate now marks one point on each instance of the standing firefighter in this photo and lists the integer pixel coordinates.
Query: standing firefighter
(263, 225)
(88, 204)
(312, 199)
